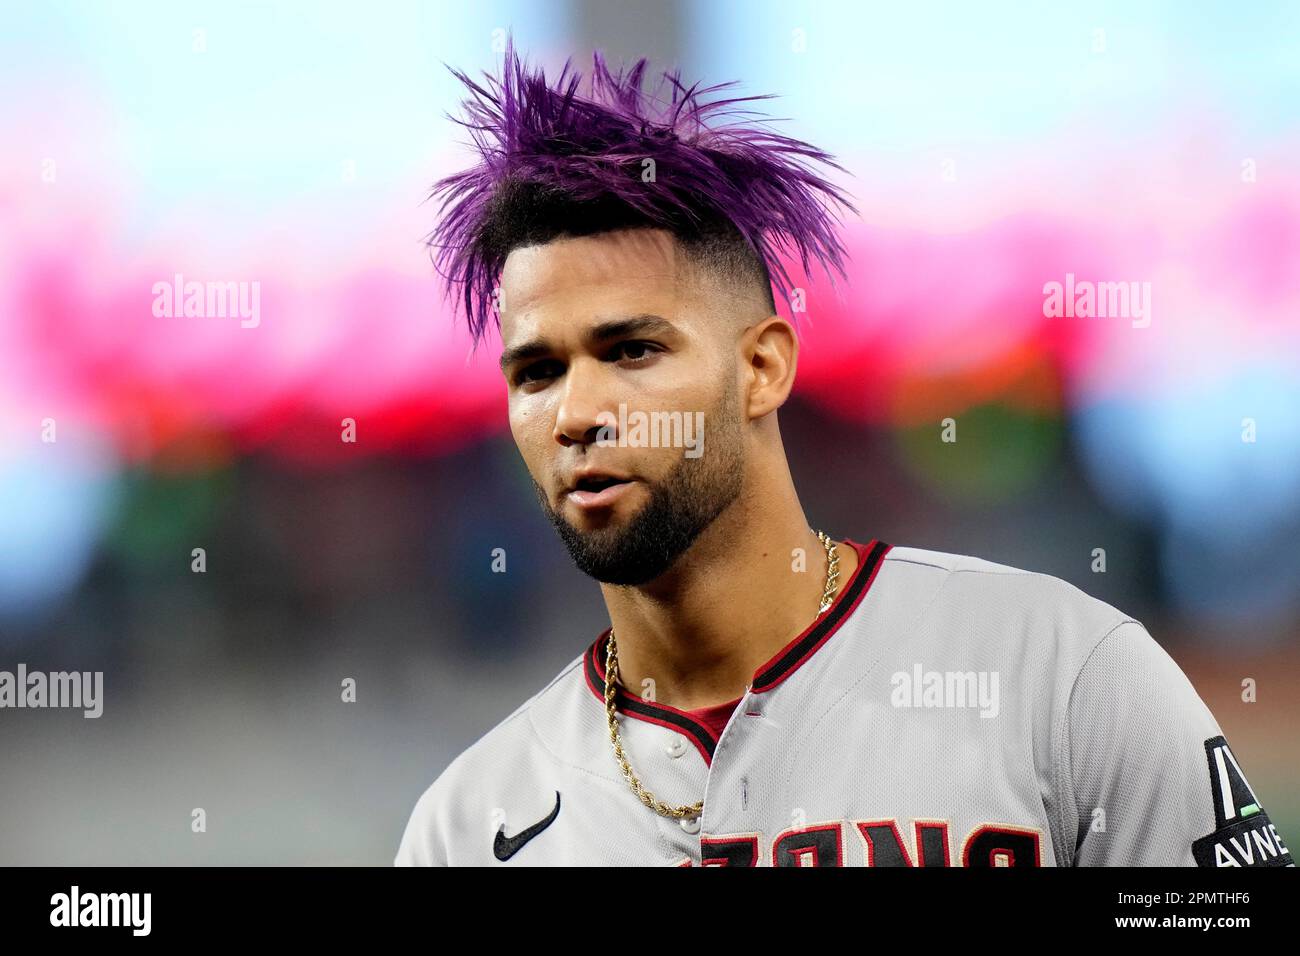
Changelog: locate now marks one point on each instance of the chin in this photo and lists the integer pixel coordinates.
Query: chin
(607, 521)
(620, 514)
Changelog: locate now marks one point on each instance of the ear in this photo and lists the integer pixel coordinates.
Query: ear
(770, 352)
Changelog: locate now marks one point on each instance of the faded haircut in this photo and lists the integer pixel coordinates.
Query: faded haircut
(572, 159)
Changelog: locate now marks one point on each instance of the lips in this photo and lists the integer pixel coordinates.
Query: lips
(598, 489)
(594, 479)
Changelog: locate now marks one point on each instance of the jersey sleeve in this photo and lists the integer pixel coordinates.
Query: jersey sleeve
(1154, 781)
(421, 843)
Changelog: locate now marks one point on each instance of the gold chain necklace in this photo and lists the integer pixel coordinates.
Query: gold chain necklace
(611, 682)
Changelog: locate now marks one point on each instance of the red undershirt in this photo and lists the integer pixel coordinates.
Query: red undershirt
(715, 718)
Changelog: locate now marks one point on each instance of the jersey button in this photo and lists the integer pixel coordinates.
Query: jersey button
(690, 824)
(676, 747)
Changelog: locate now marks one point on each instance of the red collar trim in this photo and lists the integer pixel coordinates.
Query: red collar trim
(776, 669)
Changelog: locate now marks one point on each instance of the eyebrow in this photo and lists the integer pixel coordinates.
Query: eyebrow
(644, 324)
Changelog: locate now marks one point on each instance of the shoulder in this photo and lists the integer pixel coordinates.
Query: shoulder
(945, 565)
(463, 795)
(965, 592)
(1032, 627)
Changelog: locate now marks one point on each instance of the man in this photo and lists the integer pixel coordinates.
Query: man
(766, 695)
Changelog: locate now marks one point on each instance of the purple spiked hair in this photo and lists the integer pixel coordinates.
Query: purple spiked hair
(544, 147)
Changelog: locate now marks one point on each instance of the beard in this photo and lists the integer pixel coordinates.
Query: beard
(682, 505)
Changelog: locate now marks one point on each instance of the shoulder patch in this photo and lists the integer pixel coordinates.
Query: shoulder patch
(1243, 834)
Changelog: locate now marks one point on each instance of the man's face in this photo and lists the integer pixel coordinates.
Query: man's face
(593, 322)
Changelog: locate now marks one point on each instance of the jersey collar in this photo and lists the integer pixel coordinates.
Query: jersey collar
(776, 669)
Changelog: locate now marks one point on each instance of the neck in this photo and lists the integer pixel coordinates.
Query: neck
(734, 599)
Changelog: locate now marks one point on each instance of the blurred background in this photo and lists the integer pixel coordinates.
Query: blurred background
(991, 151)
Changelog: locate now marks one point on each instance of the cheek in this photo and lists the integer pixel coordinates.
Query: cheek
(528, 427)
(519, 424)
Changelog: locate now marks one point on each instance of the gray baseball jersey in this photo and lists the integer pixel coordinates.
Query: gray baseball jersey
(944, 711)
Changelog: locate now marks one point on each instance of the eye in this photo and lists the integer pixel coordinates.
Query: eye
(635, 352)
(537, 372)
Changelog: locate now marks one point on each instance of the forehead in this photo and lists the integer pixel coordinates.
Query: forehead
(627, 271)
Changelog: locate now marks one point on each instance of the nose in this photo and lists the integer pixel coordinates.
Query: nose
(583, 408)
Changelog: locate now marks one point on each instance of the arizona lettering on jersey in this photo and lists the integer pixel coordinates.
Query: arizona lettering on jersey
(944, 711)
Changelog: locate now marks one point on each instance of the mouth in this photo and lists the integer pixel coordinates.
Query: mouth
(599, 490)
